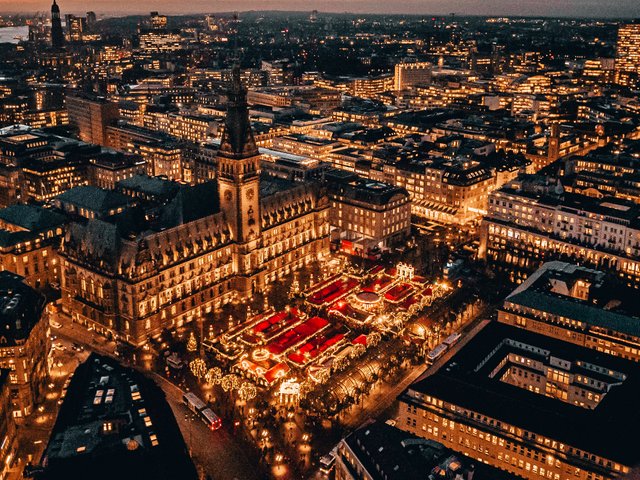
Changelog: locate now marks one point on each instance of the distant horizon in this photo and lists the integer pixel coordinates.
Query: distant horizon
(595, 9)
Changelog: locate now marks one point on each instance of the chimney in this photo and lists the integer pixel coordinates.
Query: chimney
(471, 471)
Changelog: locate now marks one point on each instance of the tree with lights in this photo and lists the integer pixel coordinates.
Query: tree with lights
(247, 391)
(294, 291)
(192, 343)
(373, 339)
(198, 367)
(213, 376)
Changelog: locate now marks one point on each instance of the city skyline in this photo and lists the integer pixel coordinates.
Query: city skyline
(526, 8)
(319, 246)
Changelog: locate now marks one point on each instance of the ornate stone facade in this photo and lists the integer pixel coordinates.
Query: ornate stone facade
(178, 254)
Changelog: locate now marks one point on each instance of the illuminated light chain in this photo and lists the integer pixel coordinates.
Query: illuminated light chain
(358, 350)
(374, 338)
(198, 368)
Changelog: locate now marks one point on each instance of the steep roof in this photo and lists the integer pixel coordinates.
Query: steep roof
(32, 217)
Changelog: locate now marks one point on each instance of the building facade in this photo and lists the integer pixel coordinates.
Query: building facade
(91, 116)
(408, 75)
(7, 427)
(24, 344)
(367, 215)
(530, 405)
(578, 305)
(628, 54)
(530, 221)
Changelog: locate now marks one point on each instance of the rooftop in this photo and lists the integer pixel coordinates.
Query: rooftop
(94, 199)
(31, 217)
(581, 294)
(21, 308)
(389, 453)
(115, 423)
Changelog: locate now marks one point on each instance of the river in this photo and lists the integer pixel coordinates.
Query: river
(8, 34)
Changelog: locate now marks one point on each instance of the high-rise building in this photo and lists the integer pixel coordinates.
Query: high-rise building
(91, 116)
(628, 54)
(409, 75)
(57, 35)
(91, 19)
(75, 27)
(157, 21)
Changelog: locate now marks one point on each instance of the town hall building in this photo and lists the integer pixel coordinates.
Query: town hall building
(178, 251)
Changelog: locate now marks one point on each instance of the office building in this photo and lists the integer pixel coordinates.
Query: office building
(578, 305)
(628, 54)
(408, 75)
(367, 215)
(378, 451)
(531, 405)
(29, 237)
(532, 219)
(106, 169)
(91, 116)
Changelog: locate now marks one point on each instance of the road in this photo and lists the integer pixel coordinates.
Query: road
(218, 453)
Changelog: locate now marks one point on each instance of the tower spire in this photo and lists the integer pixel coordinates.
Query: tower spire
(237, 137)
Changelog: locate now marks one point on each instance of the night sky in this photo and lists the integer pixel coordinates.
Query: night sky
(573, 8)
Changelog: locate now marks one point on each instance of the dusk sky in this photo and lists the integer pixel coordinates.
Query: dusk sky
(573, 8)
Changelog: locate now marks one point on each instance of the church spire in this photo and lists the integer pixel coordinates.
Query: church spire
(237, 137)
(57, 36)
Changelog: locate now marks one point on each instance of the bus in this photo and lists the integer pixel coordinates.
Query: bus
(197, 406)
(210, 419)
(452, 339)
(436, 353)
(193, 403)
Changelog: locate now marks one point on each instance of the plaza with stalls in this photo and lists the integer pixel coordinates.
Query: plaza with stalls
(335, 318)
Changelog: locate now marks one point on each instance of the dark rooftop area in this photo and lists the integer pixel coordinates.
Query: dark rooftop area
(606, 430)
(115, 424)
(608, 303)
(393, 454)
(32, 217)
(21, 308)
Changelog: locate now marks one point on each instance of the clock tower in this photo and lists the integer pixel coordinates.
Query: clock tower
(238, 163)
